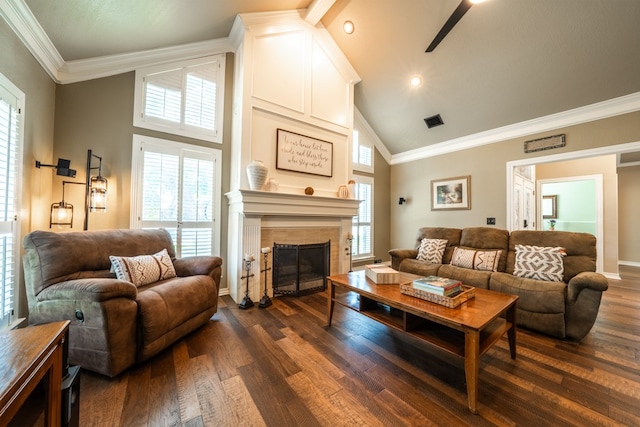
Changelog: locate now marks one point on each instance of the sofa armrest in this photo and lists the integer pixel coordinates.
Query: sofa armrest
(195, 265)
(397, 255)
(585, 280)
(89, 289)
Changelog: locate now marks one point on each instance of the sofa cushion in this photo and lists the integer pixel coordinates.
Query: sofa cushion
(541, 263)
(165, 305)
(451, 235)
(476, 260)
(487, 238)
(143, 269)
(421, 268)
(56, 257)
(431, 250)
(580, 248)
(541, 305)
(469, 277)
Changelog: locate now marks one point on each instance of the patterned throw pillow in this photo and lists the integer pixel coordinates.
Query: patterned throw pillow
(476, 260)
(541, 263)
(144, 269)
(431, 250)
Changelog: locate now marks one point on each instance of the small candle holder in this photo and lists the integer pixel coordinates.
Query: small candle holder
(265, 301)
(246, 301)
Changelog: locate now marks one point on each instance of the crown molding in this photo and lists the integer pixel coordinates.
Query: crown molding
(19, 17)
(104, 66)
(26, 27)
(601, 110)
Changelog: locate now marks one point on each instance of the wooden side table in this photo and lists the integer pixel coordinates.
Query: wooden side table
(28, 356)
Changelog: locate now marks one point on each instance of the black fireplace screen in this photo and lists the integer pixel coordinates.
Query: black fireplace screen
(300, 269)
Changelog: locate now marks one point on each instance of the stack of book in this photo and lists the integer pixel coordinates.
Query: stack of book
(381, 273)
(438, 285)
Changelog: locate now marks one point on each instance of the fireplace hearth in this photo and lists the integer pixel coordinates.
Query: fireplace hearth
(300, 269)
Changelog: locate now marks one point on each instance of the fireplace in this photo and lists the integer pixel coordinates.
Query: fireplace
(300, 269)
(257, 219)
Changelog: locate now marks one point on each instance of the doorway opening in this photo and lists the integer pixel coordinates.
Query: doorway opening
(609, 240)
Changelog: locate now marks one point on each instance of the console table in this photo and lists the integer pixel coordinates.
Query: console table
(467, 331)
(28, 356)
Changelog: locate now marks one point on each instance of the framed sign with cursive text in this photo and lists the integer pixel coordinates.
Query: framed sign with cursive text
(304, 154)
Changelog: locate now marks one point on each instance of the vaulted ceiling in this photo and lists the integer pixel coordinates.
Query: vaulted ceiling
(505, 62)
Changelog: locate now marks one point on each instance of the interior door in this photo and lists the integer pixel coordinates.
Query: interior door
(524, 204)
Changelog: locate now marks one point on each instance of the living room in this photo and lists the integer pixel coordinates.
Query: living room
(64, 120)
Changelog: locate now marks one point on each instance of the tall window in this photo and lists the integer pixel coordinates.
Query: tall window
(182, 99)
(362, 163)
(11, 107)
(362, 224)
(362, 152)
(177, 186)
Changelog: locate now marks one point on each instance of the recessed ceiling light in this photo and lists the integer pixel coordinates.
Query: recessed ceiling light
(348, 27)
(416, 81)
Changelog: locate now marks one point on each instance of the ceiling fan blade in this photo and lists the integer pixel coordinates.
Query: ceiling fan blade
(451, 22)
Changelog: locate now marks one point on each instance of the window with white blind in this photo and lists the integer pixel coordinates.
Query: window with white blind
(362, 224)
(362, 153)
(362, 156)
(177, 187)
(11, 135)
(183, 99)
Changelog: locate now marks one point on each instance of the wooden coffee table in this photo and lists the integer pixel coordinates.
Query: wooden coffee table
(478, 320)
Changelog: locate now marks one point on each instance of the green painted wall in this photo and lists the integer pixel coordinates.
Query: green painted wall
(575, 205)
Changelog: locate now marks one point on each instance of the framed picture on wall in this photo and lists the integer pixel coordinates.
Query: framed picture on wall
(301, 153)
(451, 193)
(550, 207)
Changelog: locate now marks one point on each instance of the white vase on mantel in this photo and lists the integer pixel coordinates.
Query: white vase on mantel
(257, 173)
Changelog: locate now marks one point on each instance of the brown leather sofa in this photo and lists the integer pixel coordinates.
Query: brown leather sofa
(114, 323)
(565, 309)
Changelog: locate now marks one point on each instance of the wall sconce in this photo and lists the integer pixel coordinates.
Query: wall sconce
(61, 214)
(96, 186)
(95, 199)
(402, 201)
(62, 168)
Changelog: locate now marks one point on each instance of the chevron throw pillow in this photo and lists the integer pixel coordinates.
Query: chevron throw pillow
(431, 250)
(144, 269)
(541, 263)
(476, 260)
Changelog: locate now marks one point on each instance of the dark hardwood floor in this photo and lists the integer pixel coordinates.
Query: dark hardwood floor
(282, 367)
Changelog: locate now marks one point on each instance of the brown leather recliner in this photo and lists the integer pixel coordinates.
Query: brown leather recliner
(114, 323)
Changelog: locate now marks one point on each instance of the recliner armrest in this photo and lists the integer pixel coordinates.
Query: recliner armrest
(397, 255)
(194, 265)
(585, 280)
(89, 289)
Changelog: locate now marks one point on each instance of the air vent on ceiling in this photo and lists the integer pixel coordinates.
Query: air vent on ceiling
(433, 121)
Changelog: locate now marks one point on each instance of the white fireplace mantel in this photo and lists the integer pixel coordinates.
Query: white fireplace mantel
(264, 203)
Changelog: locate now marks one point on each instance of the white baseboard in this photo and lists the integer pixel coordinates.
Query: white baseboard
(629, 263)
(613, 276)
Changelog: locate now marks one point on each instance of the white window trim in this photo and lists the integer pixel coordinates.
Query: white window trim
(139, 96)
(8, 88)
(136, 177)
(367, 180)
